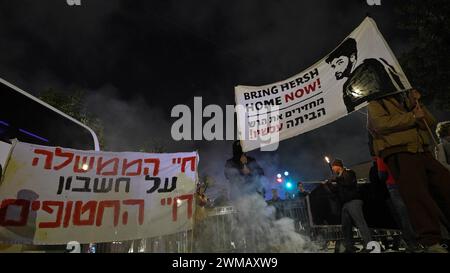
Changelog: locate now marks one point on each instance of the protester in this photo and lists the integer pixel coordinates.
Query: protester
(243, 172)
(201, 200)
(443, 148)
(277, 203)
(398, 124)
(200, 231)
(275, 196)
(400, 212)
(301, 192)
(352, 205)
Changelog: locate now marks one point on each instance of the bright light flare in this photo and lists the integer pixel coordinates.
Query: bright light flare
(286, 173)
(327, 159)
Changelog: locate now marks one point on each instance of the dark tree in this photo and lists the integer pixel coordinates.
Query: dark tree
(74, 106)
(427, 63)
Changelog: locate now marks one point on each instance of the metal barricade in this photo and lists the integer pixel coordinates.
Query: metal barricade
(215, 233)
(296, 209)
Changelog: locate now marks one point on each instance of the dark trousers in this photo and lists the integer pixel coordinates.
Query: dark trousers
(424, 186)
(352, 212)
(401, 216)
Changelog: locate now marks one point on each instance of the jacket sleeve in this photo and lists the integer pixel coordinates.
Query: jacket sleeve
(230, 172)
(429, 118)
(255, 167)
(347, 179)
(329, 186)
(384, 122)
(259, 170)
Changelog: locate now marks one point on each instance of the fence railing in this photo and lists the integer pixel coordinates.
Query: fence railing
(219, 225)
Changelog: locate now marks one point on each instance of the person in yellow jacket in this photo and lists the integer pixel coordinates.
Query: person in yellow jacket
(398, 125)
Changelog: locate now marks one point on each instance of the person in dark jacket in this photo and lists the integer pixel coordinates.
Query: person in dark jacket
(352, 205)
(243, 172)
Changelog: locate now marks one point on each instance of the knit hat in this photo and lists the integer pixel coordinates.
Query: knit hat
(443, 129)
(337, 162)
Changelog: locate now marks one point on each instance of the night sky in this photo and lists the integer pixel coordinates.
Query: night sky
(137, 59)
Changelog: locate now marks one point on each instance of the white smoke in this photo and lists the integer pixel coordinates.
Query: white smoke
(266, 233)
(253, 228)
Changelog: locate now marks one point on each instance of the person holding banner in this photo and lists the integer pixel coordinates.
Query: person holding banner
(400, 127)
(352, 205)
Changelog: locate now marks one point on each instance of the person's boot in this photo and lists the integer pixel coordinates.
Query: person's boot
(436, 248)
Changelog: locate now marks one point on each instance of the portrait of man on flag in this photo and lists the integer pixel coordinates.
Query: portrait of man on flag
(369, 80)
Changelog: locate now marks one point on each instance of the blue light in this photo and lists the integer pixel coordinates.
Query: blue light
(288, 185)
(4, 123)
(33, 135)
(286, 173)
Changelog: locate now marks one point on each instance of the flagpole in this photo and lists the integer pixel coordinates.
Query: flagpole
(428, 127)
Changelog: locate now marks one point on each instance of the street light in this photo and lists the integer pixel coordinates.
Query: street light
(289, 185)
(327, 159)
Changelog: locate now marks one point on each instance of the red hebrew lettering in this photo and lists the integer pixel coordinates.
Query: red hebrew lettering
(79, 167)
(190, 159)
(81, 209)
(101, 166)
(46, 206)
(125, 218)
(48, 158)
(106, 204)
(156, 167)
(134, 202)
(127, 165)
(67, 214)
(67, 155)
(189, 198)
(24, 211)
(35, 205)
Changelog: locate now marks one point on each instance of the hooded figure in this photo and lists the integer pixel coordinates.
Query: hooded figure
(243, 172)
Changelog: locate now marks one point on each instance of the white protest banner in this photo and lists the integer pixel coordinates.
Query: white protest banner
(53, 195)
(360, 69)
